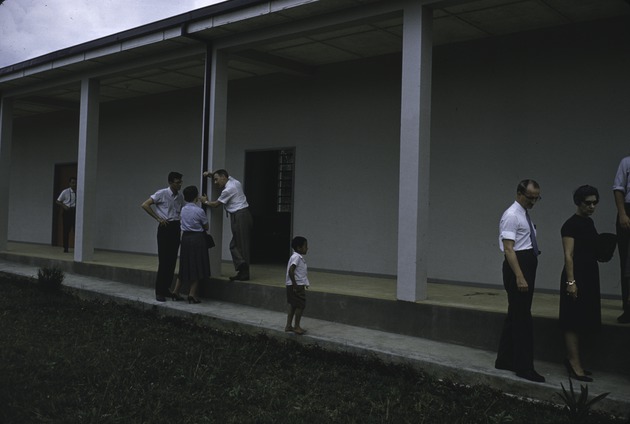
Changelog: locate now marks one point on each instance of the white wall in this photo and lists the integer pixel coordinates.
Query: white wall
(549, 105)
(140, 141)
(39, 143)
(345, 126)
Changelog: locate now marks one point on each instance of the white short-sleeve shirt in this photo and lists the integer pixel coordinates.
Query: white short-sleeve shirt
(232, 196)
(301, 271)
(168, 206)
(514, 226)
(193, 218)
(622, 178)
(68, 197)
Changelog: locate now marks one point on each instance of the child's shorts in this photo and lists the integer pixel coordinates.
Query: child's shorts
(297, 297)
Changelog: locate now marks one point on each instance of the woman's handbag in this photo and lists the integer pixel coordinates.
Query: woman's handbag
(605, 246)
(209, 241)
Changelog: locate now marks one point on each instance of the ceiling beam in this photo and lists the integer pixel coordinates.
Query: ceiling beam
(272, 62)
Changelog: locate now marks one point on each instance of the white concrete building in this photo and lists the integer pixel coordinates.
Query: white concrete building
(403, 127)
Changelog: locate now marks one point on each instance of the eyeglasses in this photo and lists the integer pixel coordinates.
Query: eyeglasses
(532, 198)
(590, 202)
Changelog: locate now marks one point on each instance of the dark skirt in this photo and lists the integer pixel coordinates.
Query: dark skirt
(194, 263)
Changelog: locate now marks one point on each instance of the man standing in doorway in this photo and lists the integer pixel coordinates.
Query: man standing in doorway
(235, 203)
(165, 206)
(68, 201)
(517, 240)
(621, 191)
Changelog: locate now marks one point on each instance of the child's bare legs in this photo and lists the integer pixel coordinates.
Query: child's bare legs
(290, 314)
(298, 317)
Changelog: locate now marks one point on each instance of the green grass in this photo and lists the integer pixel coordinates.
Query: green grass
(67, 360)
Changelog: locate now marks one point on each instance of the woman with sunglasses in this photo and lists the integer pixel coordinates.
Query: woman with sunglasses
(580, 305)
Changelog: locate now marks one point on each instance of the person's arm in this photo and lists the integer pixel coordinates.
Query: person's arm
(568, 244)
(148, 209)
(63, 205)
(620, 202)
(213, 204)
(292, 276)
(60, 200)
(512, 260)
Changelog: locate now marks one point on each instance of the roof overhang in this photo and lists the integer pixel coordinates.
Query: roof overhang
(262, 37)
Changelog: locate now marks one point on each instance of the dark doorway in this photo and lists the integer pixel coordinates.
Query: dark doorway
(269, 190)
(63, 173)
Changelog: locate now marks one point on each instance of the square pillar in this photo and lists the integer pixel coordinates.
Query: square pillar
(415, 140)
(6, 140)
(216, 114)
(86, 175)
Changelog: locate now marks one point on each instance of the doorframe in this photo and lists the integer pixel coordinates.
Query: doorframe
(292, 149)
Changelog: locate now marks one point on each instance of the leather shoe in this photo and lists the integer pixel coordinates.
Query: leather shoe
(160, 298)
(573, 374)
(624, 318)
(239, 277)
(531, 375)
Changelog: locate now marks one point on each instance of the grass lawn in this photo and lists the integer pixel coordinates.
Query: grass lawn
(67, 360)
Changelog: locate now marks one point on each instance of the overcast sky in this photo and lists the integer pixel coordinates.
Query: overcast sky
(31, 28)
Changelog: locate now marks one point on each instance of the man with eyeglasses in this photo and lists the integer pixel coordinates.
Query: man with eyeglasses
(517, 240)
(165, 207)
(621, 191)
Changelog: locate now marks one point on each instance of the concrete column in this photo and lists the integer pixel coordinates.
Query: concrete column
(86, 175)
(415, 137)
(217, 119)
(6, 139)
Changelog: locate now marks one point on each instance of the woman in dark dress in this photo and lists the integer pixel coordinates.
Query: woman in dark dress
(580, 305)
(194, 263)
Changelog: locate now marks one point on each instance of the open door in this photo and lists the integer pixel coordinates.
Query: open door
(268, 186)
(63, 173)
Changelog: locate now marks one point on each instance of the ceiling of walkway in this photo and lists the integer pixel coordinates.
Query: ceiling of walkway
(130, 74)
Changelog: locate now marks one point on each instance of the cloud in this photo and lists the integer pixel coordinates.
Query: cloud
(31, 28)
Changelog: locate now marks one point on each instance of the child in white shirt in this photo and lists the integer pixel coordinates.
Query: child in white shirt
(296, 283)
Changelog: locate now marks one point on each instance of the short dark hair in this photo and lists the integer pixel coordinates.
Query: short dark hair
(191, 193)
(582, 192)
(521, 188)
(297, 242)
(172, 176)
(222, 172)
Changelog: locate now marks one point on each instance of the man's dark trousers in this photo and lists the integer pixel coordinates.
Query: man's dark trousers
(516, 346)
(168, 237)
(69, 219)
(623, 240)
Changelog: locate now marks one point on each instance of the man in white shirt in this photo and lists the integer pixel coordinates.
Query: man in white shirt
(517, 240)
(621, 191)
(68, 201)
(235, 204)
(165, 207)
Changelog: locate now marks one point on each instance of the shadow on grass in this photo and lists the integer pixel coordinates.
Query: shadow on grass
(67, 360)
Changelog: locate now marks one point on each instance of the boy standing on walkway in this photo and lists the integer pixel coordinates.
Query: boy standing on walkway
(296, 282)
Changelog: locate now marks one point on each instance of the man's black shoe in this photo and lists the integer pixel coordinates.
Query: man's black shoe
(531, 375)
(239, 277)
(503, 366)
(160, 298)
(624, 318)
